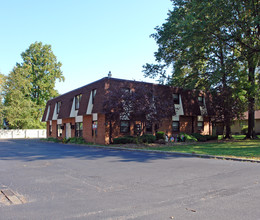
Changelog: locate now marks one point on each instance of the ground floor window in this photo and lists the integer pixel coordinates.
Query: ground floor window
(124, 126)
(50, 130)
(149, 127)
(94, 128)
(137, 129)
(175, 126)
(78, 129)
(59, 131)
(200, 126)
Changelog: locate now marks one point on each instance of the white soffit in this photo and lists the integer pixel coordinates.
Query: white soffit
(176, 118)
(95, 116)
(79, 118)
(200, 118)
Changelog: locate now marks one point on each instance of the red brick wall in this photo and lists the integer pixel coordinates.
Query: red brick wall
(186, 124)
(101, 129)
(54, 129)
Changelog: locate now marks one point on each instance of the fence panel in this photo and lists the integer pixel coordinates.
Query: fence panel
(25, 133)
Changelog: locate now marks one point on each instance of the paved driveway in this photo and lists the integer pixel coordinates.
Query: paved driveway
(57, 181)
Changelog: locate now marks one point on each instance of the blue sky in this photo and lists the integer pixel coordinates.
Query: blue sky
(90, 38)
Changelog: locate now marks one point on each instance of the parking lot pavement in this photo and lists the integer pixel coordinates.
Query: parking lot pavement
(55, 181)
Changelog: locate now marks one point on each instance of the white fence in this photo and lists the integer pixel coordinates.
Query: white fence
(26, 133)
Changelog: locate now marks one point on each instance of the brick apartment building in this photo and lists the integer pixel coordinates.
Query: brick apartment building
(81, 112)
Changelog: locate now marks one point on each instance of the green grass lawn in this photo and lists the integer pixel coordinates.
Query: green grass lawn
(237, 148)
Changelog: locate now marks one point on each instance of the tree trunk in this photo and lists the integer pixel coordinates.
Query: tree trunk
(110, 131)
(228, 131)
(251, 97)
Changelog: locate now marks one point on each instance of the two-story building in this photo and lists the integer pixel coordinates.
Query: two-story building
(80, 113)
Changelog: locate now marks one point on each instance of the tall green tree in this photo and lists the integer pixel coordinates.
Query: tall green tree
(2, 81)
(30, 85)
(204, 43)
(43, 70)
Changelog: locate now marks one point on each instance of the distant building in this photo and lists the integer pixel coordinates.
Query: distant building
(238, 124)
(80, 112)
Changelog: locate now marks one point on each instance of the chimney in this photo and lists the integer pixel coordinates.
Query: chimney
(109, 74)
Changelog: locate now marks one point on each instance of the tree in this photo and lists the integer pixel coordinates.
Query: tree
(204, 42)
(142, 103)
(2, 81)
(30, 85)
(43, 70)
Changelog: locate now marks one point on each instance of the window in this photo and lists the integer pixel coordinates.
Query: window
(137, 129)
(50, 130)
(78, 129)
(94, 128)
(175, 126)
(176, 99)
(77, 101)
(243, 123)
(58, 107)
(59, 131)
(149, 127)
(124, 126)
(200, 100)
(125, 90)
(94, 91)
(200, 125)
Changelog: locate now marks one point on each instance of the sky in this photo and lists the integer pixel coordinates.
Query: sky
(89, 37)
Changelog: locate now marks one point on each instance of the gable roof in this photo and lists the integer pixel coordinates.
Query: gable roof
(189, 97)
(257, 115)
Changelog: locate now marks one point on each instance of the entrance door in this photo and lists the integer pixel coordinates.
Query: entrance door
(68, 130)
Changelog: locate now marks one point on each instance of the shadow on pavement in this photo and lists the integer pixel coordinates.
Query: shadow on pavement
(31, 150)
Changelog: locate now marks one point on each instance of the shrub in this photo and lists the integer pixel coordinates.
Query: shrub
(244, 129)
(203, 138)
(160, 135)
(65, 140)
(123, 140)
(188, 138)
(211, 137)
(51, 139)
(199, 137)
(76, 140)
(147, 138)
(161, 141)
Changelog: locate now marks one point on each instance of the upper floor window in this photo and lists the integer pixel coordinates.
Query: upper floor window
(200, 100)
(77, 101)
(94, 91)
(58, 107)
(176, 98)
(125, 90)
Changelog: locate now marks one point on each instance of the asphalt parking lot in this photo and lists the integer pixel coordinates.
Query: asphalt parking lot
(55, 181)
